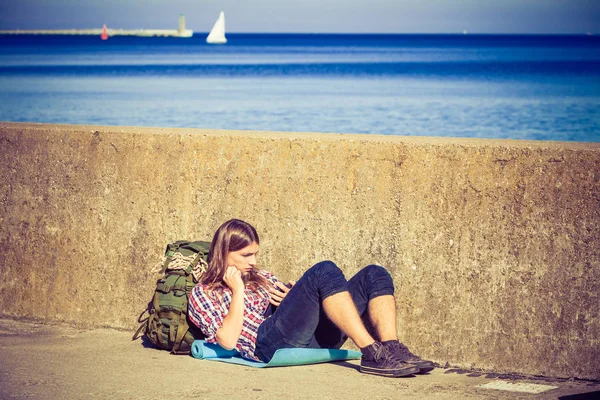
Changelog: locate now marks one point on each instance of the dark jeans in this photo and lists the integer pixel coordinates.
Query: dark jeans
(300, 320)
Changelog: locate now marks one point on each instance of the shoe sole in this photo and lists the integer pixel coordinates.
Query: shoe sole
(424, 366)
(393, 373)
(425, 370)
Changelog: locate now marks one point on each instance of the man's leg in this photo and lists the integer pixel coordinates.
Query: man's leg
(375, 286)
(369, 283)
(372, 290)
(321, 291)
(340, 309)
(324, 288)
(382, 312)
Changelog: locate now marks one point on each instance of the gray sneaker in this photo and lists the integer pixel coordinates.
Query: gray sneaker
(403, 353)
(378, 360)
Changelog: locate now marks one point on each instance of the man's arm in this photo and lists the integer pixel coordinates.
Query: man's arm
(229, 333)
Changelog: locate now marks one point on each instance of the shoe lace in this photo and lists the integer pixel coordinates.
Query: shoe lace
(404, 350)
(383, 354)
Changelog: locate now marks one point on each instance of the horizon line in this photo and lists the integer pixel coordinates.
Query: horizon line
(460, 33)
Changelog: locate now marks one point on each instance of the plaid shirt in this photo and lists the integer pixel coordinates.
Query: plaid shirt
(207, 312)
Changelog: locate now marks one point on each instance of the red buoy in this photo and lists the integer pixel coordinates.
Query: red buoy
(104, 35)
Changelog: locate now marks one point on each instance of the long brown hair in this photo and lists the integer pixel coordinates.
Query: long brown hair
(232, 235)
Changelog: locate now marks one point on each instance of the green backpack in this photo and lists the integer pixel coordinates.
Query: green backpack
(167, 325)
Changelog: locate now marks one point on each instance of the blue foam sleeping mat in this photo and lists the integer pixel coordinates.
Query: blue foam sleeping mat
(281, 358)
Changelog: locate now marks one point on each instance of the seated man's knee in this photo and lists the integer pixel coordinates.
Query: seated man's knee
(378, 273)
(325, 268)
(327, 279)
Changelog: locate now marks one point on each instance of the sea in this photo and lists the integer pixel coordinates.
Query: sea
(532, 87)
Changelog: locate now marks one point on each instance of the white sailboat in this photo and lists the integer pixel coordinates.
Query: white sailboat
(217, 33)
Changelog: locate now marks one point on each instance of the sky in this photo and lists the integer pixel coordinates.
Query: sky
(315, 16)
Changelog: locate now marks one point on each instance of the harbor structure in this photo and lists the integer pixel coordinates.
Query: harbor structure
(181, 31)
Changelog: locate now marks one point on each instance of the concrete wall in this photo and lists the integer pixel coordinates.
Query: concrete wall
(494, 245)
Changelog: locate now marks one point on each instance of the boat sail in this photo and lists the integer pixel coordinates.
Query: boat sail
(217, 33)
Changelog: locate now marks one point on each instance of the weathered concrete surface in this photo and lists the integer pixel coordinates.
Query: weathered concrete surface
(58, 362)
(494, 245)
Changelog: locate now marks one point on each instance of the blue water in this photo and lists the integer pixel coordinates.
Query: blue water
(490, 86)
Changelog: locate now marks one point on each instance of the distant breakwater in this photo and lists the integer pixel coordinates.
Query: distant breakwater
(111, 32)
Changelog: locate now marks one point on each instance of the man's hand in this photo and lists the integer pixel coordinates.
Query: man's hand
(278, 294)
(233, 279)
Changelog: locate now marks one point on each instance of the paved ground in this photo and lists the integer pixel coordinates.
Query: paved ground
(59, 362)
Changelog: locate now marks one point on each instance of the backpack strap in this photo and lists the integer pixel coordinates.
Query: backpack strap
(143, 323)
(195, 261)
(183, 326)
(139, 330)
(182, 330)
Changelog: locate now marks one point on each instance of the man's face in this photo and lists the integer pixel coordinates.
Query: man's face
(244, 259)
